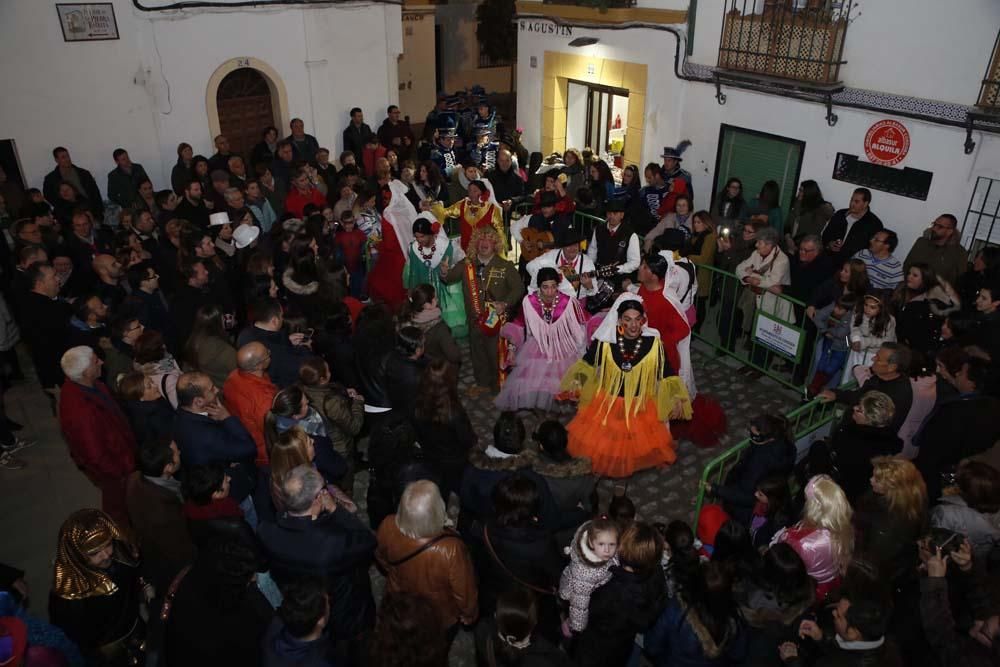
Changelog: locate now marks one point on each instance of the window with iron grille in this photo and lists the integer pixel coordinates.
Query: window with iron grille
(981, 226)
(905, 182)
(802, 40)
(989, 93)
(485, 61)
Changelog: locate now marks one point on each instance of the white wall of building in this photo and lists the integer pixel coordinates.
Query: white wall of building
(654, 48)
(147, 91)
(920, 48)
(677, 109)
(934, 148)
(417, 85)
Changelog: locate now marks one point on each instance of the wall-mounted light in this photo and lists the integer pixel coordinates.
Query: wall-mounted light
(584, 41)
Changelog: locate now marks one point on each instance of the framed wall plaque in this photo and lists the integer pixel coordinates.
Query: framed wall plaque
(91, 22)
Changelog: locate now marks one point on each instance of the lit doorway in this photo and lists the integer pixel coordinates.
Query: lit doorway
(597, 117)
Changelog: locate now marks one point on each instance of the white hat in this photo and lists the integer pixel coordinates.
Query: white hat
(216, 219)
(244, 235)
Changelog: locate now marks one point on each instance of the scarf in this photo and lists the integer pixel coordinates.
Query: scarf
(426, 318)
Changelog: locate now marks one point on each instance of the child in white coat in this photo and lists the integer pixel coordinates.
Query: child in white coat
(592, 553)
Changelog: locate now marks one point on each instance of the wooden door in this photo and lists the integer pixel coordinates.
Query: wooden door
(244, 104)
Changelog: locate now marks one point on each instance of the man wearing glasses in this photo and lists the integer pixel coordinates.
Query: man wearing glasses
(939, 249)
(885, 271)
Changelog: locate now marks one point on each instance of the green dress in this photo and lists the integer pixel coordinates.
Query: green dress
(423, 267)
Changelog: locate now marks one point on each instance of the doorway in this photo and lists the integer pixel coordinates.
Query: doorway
(597, 117)
(756, 157)
(245, 109)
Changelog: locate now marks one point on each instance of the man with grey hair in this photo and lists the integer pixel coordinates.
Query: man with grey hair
(889, 375)
(315, 537)
(98, 433)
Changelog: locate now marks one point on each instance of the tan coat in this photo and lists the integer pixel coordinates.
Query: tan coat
(442, 573)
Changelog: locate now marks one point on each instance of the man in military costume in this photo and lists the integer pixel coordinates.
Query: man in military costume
(492, 289)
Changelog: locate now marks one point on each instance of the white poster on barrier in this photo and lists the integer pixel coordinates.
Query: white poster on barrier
(779, 336)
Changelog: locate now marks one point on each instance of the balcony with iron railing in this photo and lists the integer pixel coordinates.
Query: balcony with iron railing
(795, 40)
(989, 92)
(605, 12)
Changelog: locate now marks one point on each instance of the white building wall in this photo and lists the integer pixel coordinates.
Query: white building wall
(147, 91)
(654, 48)
(918, 48)
(677, 109)
(934, 148)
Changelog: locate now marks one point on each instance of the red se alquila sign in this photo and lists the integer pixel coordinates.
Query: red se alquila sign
(887, 143)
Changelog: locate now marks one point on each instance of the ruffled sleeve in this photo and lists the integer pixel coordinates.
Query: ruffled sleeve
(671, 392)
(579, 381)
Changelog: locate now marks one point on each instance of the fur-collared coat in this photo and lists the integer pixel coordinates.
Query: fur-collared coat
(584, 573)
(680, 639)
(570, 482)
(487, 467)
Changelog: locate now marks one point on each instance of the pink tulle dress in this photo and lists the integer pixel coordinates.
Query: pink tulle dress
(545, 351)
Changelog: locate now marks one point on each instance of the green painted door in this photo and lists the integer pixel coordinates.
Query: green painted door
(754, 158)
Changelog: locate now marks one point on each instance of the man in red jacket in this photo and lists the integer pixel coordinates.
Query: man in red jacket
(303, 192)
(100, 439)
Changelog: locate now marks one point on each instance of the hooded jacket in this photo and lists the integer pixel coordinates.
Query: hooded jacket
(584, 573)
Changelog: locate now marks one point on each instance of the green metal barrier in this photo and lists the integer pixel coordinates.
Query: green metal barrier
(802, 421)
(725, 323)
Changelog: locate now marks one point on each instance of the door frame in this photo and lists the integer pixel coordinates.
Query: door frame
(723, 127)
(591, 89)
(279, 96)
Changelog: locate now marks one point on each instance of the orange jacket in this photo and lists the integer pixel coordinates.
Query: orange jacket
(248, 398)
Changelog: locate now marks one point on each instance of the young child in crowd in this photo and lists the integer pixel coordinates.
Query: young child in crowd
(771, 511)
(833, 323)
(592, 553)
(680, 554)
(872, 326)
(349, 245)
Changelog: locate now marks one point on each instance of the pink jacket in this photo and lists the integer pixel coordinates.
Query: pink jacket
(815, 547)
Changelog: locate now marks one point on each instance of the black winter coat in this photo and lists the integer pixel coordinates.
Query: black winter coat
(955, 429)
(777, 456)
(854, 446)
(50, 188)
(204, 631)
(629, 603)
(520, 556)
(336, 546)
(44, 325)
(402, 376)
(856, 239)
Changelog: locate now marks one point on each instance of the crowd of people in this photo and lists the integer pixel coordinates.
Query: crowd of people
(224, 357)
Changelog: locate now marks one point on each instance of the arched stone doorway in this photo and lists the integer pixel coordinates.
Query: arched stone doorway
(243, 96)
(245, 109)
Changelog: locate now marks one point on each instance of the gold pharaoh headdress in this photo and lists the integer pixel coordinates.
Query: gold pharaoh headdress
(85, 532)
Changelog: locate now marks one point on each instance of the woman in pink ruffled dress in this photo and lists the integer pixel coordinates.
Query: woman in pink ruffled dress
(550, 335)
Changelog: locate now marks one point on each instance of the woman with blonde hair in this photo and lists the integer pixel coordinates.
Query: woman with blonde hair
(892, 516)
(823, 538)
(421, 556)
(867, 433)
